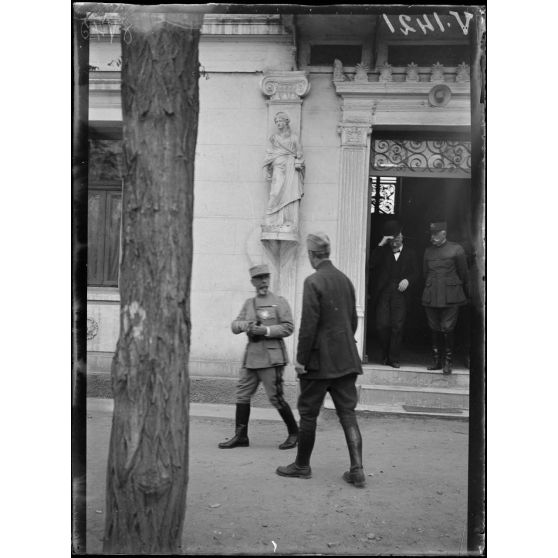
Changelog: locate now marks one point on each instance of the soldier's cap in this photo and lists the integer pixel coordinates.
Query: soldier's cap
(317, 242)
(257, 270)
(392, 228)
(437, 226)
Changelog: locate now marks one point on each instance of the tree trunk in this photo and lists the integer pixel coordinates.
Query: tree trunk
(147, 472)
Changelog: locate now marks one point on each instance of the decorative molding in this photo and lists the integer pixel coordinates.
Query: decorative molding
(240, 24)
(439, 96)
(463, 73)
(402, 103)
(437, 72)
(106, 26)
(361, 72)
(386, 72)
(412, 72)
(426, 156)
(338, 74)
(372, 89)
(285, 86)
(353, 134)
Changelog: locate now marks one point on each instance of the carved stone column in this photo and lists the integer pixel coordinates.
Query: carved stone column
(355, 129)
(285, 91)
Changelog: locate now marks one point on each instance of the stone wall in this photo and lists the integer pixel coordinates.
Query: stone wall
(230, 195)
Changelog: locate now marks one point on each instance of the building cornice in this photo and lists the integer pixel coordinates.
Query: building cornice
(107, 26)
(404, 103)
(391, 88)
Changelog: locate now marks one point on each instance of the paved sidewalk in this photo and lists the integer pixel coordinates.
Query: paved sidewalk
(415, 501)
(198, 410)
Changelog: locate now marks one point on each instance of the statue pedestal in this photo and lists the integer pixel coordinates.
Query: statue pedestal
(281, 236)
(281, 248)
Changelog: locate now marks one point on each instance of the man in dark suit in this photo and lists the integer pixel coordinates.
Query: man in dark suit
(327, 360)
(394, 268)
(446, 288)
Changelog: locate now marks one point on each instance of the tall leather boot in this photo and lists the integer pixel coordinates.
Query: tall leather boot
(436, 355)
(240, 438)
(448, 342)
(288, 417)
(301, 466)
(354, 443)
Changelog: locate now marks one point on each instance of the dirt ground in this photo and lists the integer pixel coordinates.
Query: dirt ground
(415, 501)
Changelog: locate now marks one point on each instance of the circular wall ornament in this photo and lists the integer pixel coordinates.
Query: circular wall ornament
(92, 328)
(439, 96)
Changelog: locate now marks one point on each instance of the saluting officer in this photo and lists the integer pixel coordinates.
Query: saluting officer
(266, 319)
(445, 290)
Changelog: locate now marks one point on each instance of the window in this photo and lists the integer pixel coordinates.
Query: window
(104, 209)
(324, 55)
(427, 55)
(383, 191)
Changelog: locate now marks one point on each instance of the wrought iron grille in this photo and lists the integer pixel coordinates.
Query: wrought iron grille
(430, 156)
(382, 194)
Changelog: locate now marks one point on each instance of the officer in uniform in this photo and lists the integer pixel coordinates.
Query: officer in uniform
(265, 319)
(327, 360)
(445, 290)
(394, 268)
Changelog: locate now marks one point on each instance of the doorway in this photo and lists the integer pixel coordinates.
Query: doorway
(414, 202)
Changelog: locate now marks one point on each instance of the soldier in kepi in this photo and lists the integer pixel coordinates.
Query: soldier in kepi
(327, 360)
(266, 319)
(446, 289)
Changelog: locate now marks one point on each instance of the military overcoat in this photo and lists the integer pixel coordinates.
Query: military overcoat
(326, 343)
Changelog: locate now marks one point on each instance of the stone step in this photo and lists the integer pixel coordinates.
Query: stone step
(376, 398)
(415, 376)
(414, 396)
(403, 411)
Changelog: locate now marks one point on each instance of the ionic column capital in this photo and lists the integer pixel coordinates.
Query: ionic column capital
(285, 86)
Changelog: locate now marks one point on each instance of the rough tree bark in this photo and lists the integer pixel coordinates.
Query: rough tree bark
(147, 472)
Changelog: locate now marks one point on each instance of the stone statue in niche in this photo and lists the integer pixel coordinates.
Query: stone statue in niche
(284, 169)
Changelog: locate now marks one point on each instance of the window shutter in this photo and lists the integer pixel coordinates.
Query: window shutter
(95, 236)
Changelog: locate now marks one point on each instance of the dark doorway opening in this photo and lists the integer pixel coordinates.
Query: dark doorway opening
(414, 202)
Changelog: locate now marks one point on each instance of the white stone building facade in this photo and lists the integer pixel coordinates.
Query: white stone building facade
(255, 66)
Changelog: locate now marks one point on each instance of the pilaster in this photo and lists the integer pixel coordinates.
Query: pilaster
(353, 203)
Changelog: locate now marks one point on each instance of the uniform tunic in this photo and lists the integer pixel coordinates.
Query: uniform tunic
(271, 311)
(446, 277)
